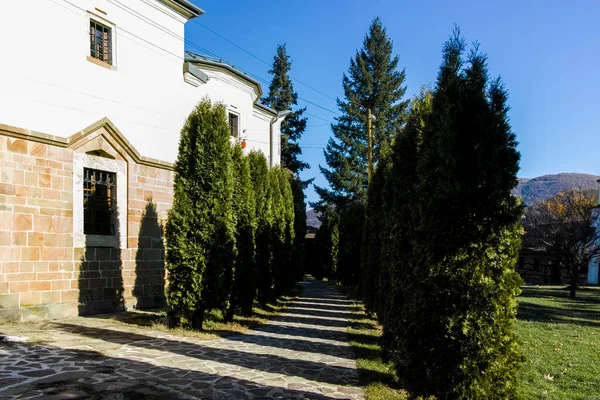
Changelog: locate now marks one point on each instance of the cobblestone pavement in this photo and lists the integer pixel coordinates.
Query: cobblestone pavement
(303, 354)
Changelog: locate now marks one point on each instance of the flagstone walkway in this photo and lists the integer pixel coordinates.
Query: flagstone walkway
(303, 354)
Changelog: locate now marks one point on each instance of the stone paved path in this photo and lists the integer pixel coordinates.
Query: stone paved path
(303, 354)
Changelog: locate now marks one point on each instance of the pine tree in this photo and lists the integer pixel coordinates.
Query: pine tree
(373, 82)
(459, 306)
(283, 97)
(200, 241)
(259, 173)
(244, 204)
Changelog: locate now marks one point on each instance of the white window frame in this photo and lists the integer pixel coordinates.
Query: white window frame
(119, 168)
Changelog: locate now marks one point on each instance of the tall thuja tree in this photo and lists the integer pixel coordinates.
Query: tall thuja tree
(299, 255)
(282, 229)
(375, 231)
(200, 239)
(373, 82)
(390, 272)
(327, 244)
(259, 174)
(463, 286)
(244, 205)
(282, 96)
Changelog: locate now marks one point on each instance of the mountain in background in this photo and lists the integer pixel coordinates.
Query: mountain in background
(530, 190)
(312, 219)
(545, 186)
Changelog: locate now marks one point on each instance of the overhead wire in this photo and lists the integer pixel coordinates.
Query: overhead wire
(206, 51)
(177, 58)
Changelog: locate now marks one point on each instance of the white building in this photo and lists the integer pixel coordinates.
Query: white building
(93, 95)
(52, 81)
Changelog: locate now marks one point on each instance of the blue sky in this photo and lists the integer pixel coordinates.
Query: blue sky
(547, 52)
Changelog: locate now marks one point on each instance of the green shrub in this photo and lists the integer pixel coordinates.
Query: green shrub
(259, 173)
(200, 243)
(244, 205)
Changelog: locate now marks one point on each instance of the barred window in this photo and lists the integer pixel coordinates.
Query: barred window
(100, 42)
(234, 124)
(99, 202)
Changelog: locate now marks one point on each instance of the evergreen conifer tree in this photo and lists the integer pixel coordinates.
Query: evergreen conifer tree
(282, 96)
(245, 280)
(373, 82)
(259, 173)
(459, 301)
(200, 242)
(279, 260)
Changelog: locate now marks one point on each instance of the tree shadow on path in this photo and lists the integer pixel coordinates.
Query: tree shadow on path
(50, 372)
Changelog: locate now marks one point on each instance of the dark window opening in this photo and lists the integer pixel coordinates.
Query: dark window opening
(234, 124)
(99, 202)
(100, 42)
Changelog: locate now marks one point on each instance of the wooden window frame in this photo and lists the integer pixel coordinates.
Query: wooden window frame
(101, 50)
(234, 131)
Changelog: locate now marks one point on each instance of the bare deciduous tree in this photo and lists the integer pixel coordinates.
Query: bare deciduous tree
(566, 223)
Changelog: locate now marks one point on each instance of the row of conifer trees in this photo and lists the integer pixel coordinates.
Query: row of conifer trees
(230, 231)
(438, 237)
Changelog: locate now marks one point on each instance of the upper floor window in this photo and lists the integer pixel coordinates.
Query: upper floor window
(234, 125)
(99, 202)
(101, 42)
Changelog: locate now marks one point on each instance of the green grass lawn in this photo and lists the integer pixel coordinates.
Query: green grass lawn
(559, 338)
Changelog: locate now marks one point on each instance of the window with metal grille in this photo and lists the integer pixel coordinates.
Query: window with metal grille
(100, 42)
(234, 124)
(99, 202)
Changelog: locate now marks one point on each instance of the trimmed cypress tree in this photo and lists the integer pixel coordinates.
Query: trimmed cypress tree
(259, 174)
(200, 239)
(279, 259)
(391, 274)
(245, 282)
(282, 96)
(289, 271)
(373, 82)
(459, 299)
(351, 228)
(299, 253)
(374, 233)
(327, 244)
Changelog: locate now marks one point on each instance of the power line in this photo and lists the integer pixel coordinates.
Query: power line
(194, 45)
(189, 42)
(178, 57)
(261, 60)
(88, 94)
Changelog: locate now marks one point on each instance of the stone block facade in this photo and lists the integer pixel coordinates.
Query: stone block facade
(48, 267)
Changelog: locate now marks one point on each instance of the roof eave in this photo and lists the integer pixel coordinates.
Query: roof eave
(184, 8)
(229, 68)
(266, 109)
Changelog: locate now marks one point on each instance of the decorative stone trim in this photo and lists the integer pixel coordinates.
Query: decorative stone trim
(80, 240)
(71, 141)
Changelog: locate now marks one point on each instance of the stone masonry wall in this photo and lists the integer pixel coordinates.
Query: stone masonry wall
(42, 276)
(37, 272)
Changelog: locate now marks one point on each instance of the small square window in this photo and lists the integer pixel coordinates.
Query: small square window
(101, 42)
(234, 125)
(99, 202)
